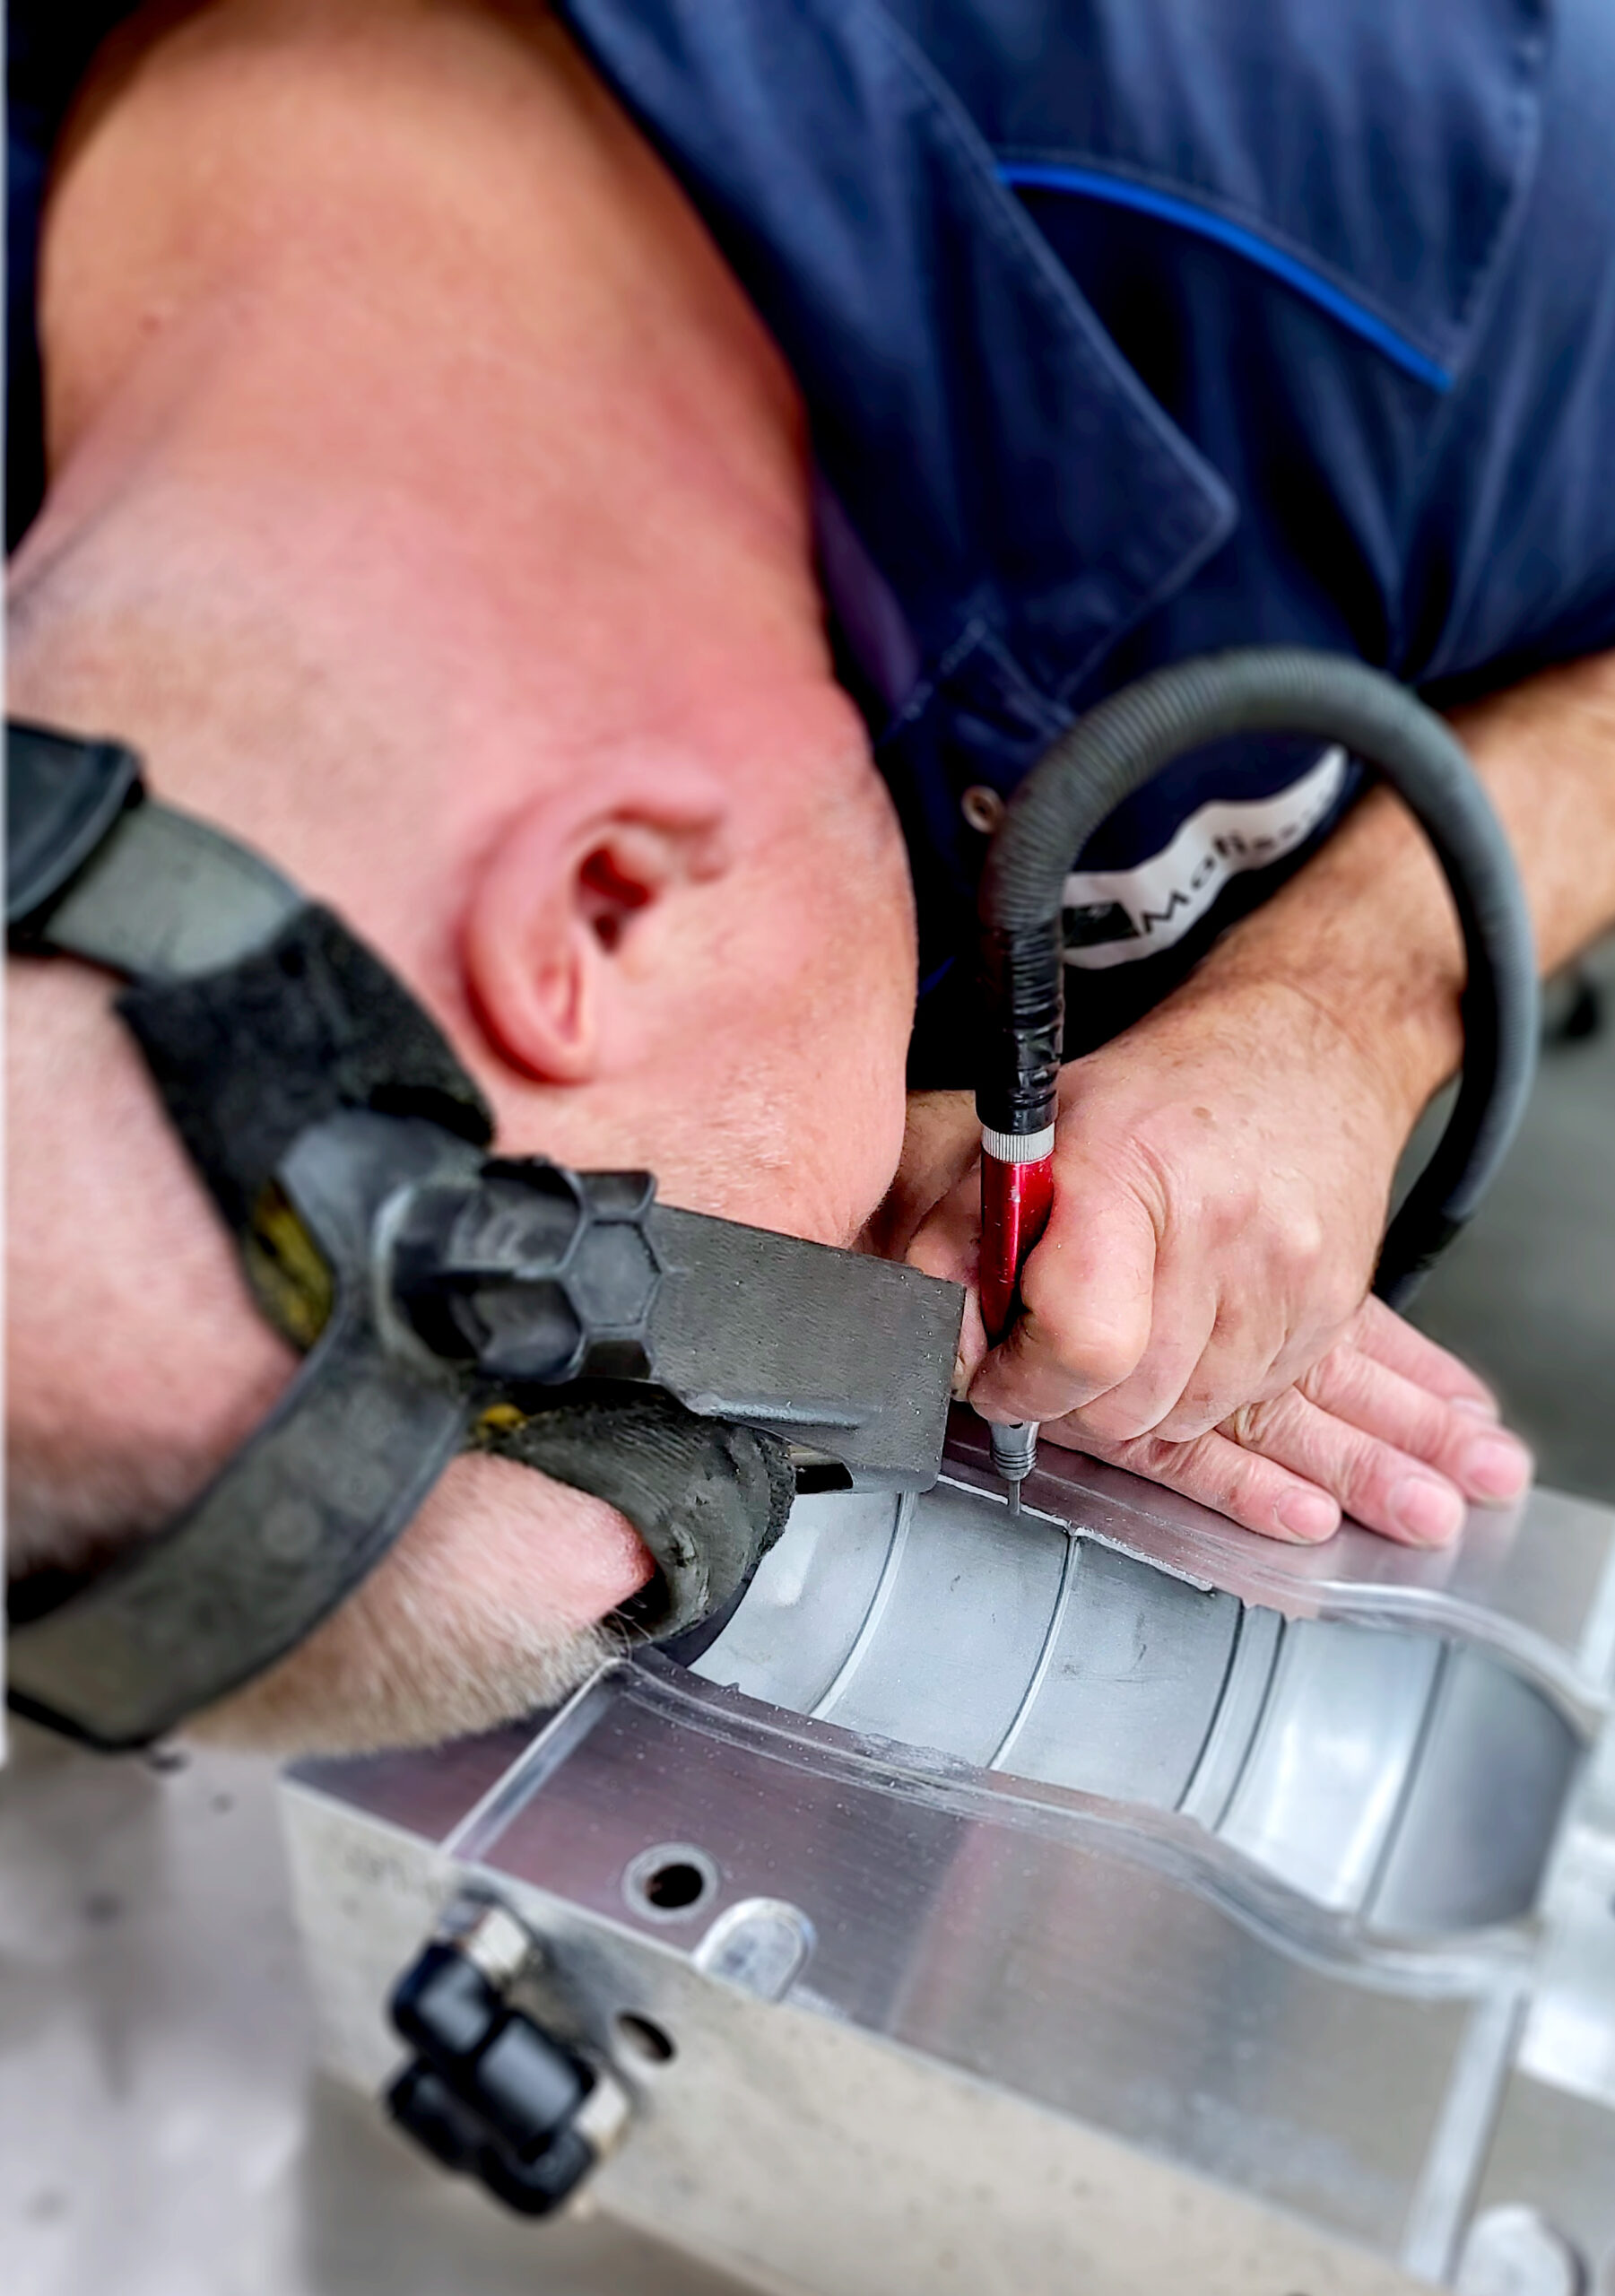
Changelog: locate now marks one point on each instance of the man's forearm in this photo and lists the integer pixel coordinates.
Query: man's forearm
(1366, 932)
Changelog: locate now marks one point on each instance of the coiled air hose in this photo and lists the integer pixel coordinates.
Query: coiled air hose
(1120, 745)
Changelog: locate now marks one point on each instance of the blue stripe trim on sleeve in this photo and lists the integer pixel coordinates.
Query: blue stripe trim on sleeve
(1093, 183)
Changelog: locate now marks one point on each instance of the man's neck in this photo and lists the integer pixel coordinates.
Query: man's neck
(619, 505)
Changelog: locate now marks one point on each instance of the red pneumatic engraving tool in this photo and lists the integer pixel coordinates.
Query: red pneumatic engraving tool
(1017, 1189)
(1022, 980)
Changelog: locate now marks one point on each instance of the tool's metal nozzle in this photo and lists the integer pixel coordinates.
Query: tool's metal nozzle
(1015, 1454)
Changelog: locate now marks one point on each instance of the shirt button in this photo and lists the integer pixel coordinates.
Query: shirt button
(982, 808)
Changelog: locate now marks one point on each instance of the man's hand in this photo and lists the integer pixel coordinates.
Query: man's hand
(1386, 1427)
(1195, 1309)
(1221, 1170)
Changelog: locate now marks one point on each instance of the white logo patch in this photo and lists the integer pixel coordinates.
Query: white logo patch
(1114, 917)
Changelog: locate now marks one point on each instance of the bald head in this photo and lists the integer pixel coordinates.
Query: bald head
(427, 507)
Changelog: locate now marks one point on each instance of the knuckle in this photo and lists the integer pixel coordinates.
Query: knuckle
(934, 1252)
(1426, 1429)
(1230, 1213)
(1326, 1279)
(1148, 1455)
(1369, 1320)
(1354, 1470)
(1128, 1455)
(1105, 1359)
(1094, 1359)
(1192, 1418)
(1117, 1420)
(1241, 1322)
(1334, 1381)
(1094, 1352)
(1218, 1476)
(1305, 1239)
(1254, 1426)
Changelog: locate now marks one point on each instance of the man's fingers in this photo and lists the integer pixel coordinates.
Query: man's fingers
(946, 1241)
(1086, 1308)
(1151, 1397)
(1288, 1470)
(1388, 1489)
(945, 1244)
(1256, 1492)
(1482, 1459)
(1380, 1332)
(941, 1141)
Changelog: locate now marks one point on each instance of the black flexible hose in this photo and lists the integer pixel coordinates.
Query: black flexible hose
(1123, 742)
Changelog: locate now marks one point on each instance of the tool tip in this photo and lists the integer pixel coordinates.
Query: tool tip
(1015, 1499)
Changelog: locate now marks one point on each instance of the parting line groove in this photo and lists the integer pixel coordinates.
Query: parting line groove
(843, 1675)
(1440, 1687)
(1236, 1644)
(1046, 1655)
(1213, 1819)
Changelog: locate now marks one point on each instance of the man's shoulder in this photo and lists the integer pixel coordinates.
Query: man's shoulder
(1435, 182)
(1387, 150)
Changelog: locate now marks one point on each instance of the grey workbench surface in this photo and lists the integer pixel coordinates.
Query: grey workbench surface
(162, 2130)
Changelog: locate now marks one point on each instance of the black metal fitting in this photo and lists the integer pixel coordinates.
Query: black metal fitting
(488, 2092)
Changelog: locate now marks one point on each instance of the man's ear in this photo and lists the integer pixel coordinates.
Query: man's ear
(560, 916)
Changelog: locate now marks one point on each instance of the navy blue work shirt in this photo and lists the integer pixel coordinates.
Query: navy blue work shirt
(1129, 328)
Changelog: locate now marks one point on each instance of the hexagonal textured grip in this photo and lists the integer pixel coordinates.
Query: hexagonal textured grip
(532, 1273)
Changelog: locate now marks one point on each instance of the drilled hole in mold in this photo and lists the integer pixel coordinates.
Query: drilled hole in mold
(675, 1887)
(669, 1882)
(645, 2039)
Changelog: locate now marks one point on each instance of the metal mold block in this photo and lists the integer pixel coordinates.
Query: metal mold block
(1206, 1943)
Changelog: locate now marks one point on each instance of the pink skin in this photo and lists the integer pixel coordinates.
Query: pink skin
(1341, 1406)
(557, 732)
(428, 503)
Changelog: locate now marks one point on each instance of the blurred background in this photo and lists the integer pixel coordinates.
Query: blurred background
(1528, 1295)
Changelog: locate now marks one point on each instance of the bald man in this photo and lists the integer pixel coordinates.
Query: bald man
(430, 505)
